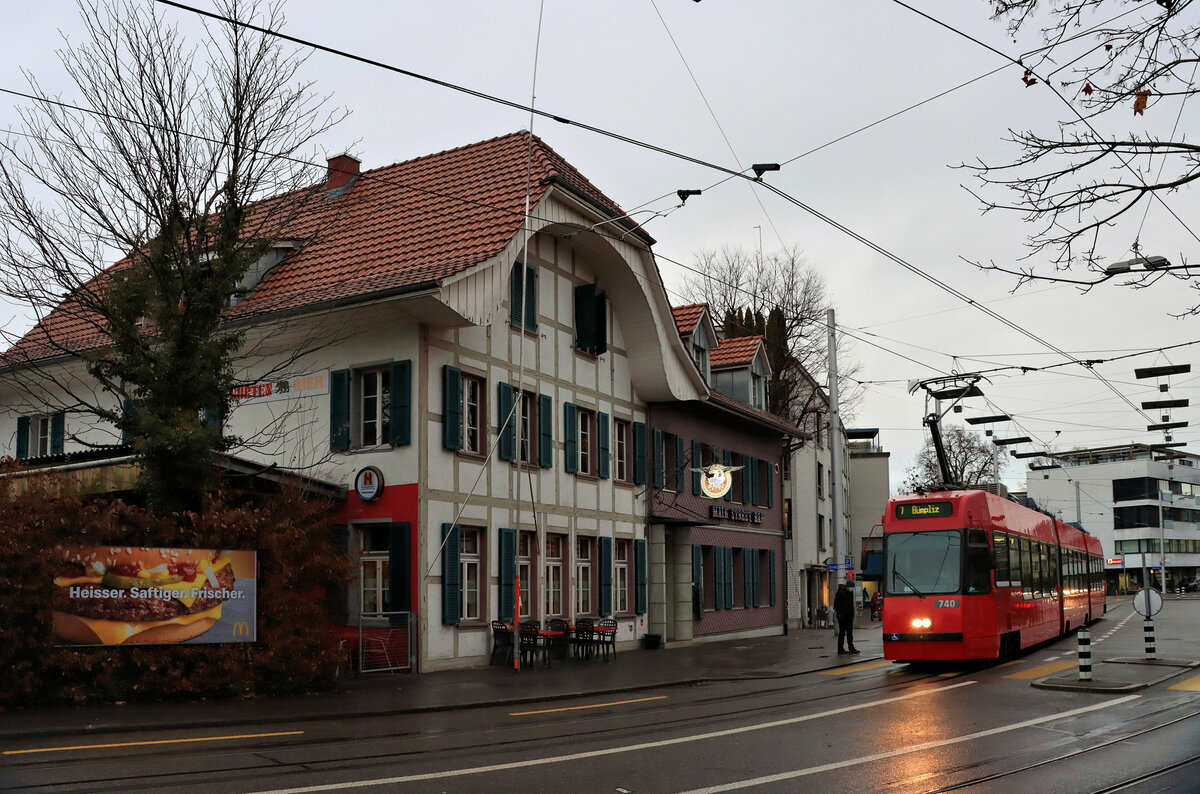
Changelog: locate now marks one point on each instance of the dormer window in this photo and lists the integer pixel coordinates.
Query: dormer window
(758, 387)
(700, 346)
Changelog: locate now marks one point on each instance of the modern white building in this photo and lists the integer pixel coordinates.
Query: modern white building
(1143, 506)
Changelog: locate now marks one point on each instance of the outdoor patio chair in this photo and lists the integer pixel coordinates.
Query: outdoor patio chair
(607, 640)
(559, 643)
(585, 638)
(502, 643)
(532, 643)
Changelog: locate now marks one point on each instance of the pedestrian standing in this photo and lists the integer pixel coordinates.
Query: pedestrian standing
(843, 608)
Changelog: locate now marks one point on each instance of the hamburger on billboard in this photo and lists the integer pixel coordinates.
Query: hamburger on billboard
(122, 595)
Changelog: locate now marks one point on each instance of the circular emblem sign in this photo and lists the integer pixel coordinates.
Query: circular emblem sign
(368, 483)
(716, 480)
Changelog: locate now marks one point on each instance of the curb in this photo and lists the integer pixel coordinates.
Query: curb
(1063, 683)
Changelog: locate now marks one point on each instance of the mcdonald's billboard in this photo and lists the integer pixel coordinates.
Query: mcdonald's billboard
(154, 596)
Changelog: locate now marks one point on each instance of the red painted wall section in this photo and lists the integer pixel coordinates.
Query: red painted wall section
(395, 503)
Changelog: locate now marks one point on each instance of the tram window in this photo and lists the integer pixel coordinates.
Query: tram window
(1035, 568)
(1000, 541)
(1052, 572)
(1016, 573)
(978, 578)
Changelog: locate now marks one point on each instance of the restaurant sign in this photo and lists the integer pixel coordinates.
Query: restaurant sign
(264, 391)
(736, 514)
(716, 479)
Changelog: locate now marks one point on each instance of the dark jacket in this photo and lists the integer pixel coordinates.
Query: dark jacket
(843, 603)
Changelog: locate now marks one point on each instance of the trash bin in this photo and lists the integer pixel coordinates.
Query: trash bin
(653, 641)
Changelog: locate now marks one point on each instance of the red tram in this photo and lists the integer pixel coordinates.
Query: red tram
(971, 575)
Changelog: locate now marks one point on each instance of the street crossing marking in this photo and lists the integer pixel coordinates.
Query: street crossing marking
(1041, 670)
(856, 668)
(1188, 684)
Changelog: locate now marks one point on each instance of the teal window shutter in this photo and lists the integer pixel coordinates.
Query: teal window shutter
(719, 576)
(697, 462)
(756, 570)
(585, 317)
(660, 474)
(748, 577)
(23, 437)
(728, 460)
(127, 410)
(639, 453)
(770, 484)
(531, 298)
(400, 422)
(339, 410)
(697, 579)
(680, 468)
(545, 431)
(507, 421)
(451, 576)
(771, 576)
(639, 573)
(729, 576)
(606, 577)
(508, 573)
(58, 433)
(751, 480)
(602, 431)
(399, 567)
(571, 436)
(601, 314)
(516, 309)
(451, 407)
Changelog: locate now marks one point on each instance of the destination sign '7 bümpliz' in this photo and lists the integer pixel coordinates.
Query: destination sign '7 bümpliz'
(924, 509)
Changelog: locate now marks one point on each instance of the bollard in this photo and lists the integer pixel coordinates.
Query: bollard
(1178, 592)
(1148, 633)
(1085, 655)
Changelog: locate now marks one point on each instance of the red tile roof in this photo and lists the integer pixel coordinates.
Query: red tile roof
(738, 351)
(397, 226)
(686, 317)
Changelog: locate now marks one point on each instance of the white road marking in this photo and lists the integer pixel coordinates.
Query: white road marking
(478, 770)
(867, 759)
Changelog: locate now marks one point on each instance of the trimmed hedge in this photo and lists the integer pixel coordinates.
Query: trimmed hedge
(297, 568)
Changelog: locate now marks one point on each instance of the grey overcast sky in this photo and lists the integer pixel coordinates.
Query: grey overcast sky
(734, 83)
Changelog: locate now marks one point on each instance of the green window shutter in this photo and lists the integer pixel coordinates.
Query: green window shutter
(571, 437)
(697, 462)
(601, 314)
(451, 576)
(585, 317)
(606, 577)
(508, 573)
(58, 433)
(23, 437)
(545, 431)
(214, 418)
(400, 421)
(719, 576)
(729, 576)
(727, 457)
(399, 567)
(451, 407)
(602, 431)
(639, 453)
(660, 475)
(516, 310)
(639, 574)
(770, 485)
(680, 468)
(698, 579)
(771, 575)
(756, 569)
(748, 577)
(531, 298)
(339, 410)
(127, 410)
(750, 483)
(507, 421)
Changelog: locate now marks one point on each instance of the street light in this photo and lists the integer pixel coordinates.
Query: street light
(1147, 262)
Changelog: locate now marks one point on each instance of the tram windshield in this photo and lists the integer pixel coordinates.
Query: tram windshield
(923, 563)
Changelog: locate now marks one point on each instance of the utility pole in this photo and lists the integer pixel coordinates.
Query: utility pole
(840, 548)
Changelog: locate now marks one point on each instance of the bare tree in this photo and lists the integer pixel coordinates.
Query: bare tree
(972, 460)
(164, 163)
(1077, 183)
(789, 298)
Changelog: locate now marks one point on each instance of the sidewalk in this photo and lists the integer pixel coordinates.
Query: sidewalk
(799, 652)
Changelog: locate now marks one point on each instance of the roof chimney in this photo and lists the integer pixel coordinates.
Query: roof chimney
(343, 168)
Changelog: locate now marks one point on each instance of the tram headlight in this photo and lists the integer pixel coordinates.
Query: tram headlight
(922, 623)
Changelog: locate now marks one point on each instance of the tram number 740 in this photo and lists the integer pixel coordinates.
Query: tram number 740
(945, 602)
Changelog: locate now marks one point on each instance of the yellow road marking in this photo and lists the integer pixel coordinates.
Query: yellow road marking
(854, 668)
(1010, 664)
(1041, 670)
(1188, 684)
(156, 741)
(581, 708)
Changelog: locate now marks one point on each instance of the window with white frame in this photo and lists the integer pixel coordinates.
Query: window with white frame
(555, 547)
(583, 576)
(373, 567)
(470, 560)
(820, 480)
(758, 391)
(374, 406)
(587, 441)
(623, 470)
(621, 577)
(473, 435)
(525, 545)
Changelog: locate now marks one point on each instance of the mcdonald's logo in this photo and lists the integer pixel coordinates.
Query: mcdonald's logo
(241, 629)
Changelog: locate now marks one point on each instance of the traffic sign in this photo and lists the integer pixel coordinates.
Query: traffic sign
(1147, 602)
(832, 566)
